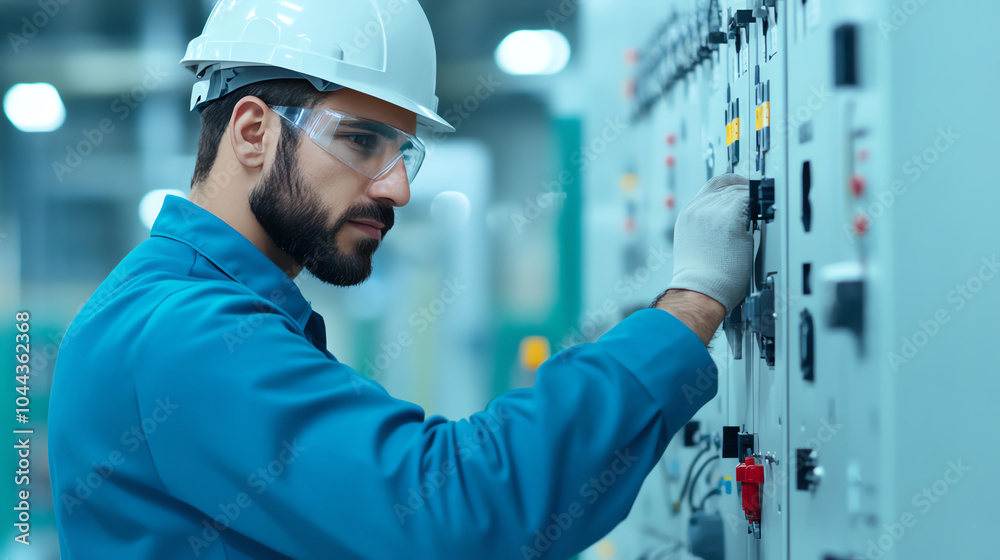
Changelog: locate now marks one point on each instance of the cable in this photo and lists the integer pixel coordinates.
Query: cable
(687, 479)
(716, 492)
(701, 470)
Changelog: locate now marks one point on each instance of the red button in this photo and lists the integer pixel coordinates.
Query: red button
(863, 154)
(671, 139)
(628, 88)
(671, 160)
(631, 56)
(669, 201)
(860, 225)
(858, 185)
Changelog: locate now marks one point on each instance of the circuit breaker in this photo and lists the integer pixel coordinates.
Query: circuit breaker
(846, 422)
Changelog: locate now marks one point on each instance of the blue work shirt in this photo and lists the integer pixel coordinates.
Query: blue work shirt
(196, 413)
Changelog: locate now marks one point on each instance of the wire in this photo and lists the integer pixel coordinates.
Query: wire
(701, 470)
(716, 492)
(687, 479)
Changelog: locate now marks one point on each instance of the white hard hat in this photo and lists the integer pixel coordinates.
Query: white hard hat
(383, 48)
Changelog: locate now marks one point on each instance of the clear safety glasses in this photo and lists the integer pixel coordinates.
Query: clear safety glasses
(369, 147)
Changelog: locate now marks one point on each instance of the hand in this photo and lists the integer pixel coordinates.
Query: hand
(713, 246)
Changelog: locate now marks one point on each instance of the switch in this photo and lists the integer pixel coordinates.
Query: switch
(761, 316)
(732, 129)
(844, 296)
(808, 473)
(761, 200)
(860, 225)
(857, 185)
(746, 442)
(730, 442)
(845, 55)
(762, 122)
(750, 476)
(690, 431)
(807, 346)
(848, 306)
(742, 18)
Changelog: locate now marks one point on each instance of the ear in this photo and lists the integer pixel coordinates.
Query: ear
(253, 131)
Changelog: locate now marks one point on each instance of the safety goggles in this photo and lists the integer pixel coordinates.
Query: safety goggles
(369, 147)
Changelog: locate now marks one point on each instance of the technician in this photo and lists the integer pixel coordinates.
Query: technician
(195, 410)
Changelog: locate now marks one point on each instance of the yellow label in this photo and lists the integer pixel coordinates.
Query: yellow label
(534, 351)
(733, 131)
(629, 181)
(764, 115)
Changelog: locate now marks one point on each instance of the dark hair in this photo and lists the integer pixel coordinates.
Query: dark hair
(215, 115)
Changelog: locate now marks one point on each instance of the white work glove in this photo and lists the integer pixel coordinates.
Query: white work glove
(713, 247)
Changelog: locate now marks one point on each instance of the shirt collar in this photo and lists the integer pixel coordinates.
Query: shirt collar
(184, 221)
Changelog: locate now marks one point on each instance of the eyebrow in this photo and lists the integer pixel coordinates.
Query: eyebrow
(382, 129)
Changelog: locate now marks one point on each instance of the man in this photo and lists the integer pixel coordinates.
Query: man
(196, 411)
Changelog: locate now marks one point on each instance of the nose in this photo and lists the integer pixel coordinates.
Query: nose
(392, 188)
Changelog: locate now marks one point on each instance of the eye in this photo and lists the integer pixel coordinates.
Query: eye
(362, 142)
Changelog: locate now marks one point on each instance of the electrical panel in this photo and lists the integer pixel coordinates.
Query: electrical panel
(856, 380)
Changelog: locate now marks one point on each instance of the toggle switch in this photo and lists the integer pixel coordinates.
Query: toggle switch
(761, 200)
(807, 470)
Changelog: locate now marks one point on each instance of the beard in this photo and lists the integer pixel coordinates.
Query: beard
(292, 214)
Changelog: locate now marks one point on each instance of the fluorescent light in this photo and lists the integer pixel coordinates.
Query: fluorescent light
(34, 107)
(151, 204)
(533, 52)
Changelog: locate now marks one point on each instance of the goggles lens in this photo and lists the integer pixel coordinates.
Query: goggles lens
(369, 147)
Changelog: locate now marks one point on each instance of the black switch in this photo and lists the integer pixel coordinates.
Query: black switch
(690, 429)
(746, 446)
(845, 55)
(848, 306)
(807, 471)
(730, 442)
(762, 200)
(743, 18)
(807, 346)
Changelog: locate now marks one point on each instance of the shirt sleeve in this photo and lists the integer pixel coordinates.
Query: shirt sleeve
(270, 439)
